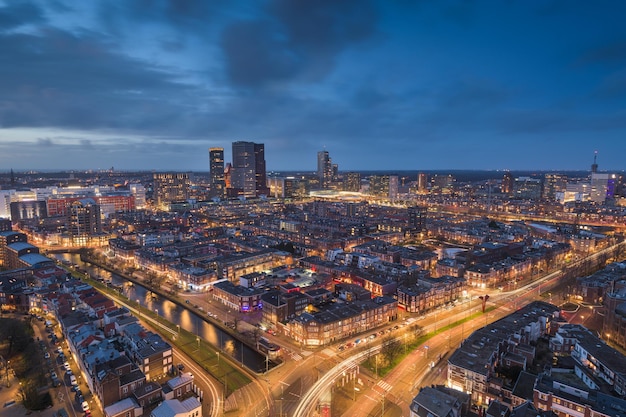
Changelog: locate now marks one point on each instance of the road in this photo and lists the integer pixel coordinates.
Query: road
(416, 369)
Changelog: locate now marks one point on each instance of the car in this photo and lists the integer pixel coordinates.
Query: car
(46, 355)
(79, 393)
(67, 367)
(59, 350)
(73, 381)
(80, 399)
(53, 375)
(85, 406)
(341, 347)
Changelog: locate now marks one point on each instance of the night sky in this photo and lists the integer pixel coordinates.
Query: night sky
(393, 84)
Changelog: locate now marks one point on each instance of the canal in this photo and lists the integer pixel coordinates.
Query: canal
(178, 315)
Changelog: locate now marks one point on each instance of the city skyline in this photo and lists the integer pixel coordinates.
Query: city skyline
(379, 85)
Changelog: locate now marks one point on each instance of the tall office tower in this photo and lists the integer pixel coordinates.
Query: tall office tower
(507, 183)
(417, 217)
(620, 185)
(228, 170)
(602, 186)
(83, 219)
(248, 170)
(441, 183)
(324, 168)
(170, 187)
(422, 182)
(527, 188)
(552, 184)
(385, 186)
(352, 182)
(139, 192)
(394, 183)
(216, 172)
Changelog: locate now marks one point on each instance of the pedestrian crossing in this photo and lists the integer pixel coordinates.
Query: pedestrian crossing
(384, 385)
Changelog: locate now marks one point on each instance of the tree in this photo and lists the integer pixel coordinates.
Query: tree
(390, 349)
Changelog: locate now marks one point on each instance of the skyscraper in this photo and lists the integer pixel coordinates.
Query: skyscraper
(216, 172)
(352, 182)
(248, 170)
(324, 168)
(170, 187)
(83, 220)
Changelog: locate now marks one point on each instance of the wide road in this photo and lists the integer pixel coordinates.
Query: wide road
(402, 384)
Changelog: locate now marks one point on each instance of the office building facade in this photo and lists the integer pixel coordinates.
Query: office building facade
(216, 172)
(248, 169)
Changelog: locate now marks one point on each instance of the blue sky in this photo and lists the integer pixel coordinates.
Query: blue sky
(152, 84)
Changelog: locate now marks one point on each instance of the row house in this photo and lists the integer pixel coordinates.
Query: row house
(423, 259)
(191, 277)
(280, 306)
(123, 249)
(377, 285)
(471, 367)
(597, 364)
(439, 402)
(115, 380)
(233, 266)
(237, 297)
(148, 350)
(151, 261)
(449, 267)
(567, 396)
(336, 271)
(337, 321)
(429, 293)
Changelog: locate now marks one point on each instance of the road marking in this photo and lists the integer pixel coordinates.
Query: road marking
(384, 385)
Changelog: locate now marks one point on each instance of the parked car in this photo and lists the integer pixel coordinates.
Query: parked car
(67, 367)
(46, 355)
(84, 406)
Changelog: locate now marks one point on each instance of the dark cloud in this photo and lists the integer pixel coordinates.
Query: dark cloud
(256, 56)
(45, 142)
(80, 81)
(295, 39)
(190, 15)
(18, 13)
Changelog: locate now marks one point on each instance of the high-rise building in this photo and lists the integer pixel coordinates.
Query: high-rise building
(288, 187)
(324, 168)
(552, 184)
(602, 186)
(216, 172)
(139, 192)
(417, 217)
(527, 188)
(442, 183)
(170, 187)
(422, 182)
(352, 182)
(84, 219)
(248, 170)
(384, 186)
(507, 183)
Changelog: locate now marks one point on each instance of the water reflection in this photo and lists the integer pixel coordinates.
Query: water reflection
(177, 315)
